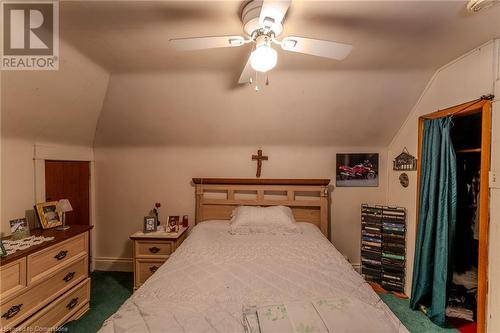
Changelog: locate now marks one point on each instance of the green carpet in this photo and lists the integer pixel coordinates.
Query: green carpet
(415, 321)
(111, 289)
(108, 291)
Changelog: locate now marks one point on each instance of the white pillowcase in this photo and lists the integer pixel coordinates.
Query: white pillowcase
(273, 220)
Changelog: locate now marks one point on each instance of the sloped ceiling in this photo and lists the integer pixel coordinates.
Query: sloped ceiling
(157, 96)
(59, 107)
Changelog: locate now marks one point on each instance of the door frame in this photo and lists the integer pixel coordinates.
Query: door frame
(66, 153)
(482, 106)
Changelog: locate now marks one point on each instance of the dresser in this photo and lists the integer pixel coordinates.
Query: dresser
(151, 250)
(47, 285)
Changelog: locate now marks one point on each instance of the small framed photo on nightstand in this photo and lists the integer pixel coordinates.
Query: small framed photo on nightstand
(173, 223)
(149, 224)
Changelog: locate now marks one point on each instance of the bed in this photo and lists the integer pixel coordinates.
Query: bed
(213, 275)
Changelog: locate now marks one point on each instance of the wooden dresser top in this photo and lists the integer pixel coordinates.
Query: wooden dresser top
(59, 236)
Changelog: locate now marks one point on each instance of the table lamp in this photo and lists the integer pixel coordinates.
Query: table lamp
(63, 206)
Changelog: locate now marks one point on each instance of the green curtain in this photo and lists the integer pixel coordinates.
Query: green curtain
(432, 268)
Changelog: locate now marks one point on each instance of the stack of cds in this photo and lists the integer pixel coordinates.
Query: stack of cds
(393, 248)
(371, 243)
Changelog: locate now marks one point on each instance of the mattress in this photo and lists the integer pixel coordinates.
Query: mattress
(205, 284)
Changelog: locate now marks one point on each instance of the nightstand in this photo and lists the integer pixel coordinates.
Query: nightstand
(151, 250)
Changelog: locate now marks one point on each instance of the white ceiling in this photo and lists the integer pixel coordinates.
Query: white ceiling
(156, 96)
(133, 36)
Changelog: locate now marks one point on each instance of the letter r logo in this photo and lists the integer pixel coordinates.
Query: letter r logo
(28, 28)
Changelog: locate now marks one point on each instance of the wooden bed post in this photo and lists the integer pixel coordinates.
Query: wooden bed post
(324, 204)
(199, 198)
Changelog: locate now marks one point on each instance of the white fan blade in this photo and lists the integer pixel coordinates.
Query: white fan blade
(199, 43)
(316, 47)
(273, 10)
(247, 73)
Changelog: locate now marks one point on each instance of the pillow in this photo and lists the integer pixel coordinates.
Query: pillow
(274, 220)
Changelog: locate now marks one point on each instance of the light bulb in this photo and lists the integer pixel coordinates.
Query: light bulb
(263, 58)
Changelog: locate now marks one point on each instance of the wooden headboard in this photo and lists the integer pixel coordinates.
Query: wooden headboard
(308, 198)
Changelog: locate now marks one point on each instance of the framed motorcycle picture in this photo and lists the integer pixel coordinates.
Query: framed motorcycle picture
(357, 170)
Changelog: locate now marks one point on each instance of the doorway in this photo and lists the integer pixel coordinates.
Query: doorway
(70, 180)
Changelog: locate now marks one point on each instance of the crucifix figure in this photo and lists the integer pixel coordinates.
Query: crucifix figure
(259, 158)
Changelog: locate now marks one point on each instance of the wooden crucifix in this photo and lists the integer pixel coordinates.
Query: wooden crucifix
(259, 158)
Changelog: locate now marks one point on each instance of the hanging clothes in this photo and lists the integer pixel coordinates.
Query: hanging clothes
(465, 251)
(437, 218)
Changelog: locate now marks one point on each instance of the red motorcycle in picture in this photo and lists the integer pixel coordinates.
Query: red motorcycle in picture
(359, 171)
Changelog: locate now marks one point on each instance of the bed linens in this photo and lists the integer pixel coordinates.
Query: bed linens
(213, 274)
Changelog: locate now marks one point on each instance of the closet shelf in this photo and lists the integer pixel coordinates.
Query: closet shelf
(474, 150)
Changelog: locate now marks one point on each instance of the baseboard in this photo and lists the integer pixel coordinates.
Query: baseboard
(357, 267)
(114, 264)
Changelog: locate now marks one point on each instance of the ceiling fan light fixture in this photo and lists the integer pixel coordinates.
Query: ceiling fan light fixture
(263, 58)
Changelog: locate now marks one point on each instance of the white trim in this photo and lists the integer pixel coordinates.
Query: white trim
(43, 152)
(114, 264)
(63, 152)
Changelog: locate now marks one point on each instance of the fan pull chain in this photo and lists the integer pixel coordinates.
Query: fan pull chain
(256, 81)
(267, 79)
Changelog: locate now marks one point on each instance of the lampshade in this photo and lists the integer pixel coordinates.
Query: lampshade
(64, 206)
(263, 58)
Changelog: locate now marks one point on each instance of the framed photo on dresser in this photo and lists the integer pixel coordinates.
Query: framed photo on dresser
(48, 215)
(3, 252)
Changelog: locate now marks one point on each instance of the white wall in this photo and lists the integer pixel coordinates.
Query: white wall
(130, 180)
(462, 80)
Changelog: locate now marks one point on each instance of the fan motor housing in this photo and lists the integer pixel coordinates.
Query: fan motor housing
(250, 18)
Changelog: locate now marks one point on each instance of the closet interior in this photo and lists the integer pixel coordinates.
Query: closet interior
(466, 136)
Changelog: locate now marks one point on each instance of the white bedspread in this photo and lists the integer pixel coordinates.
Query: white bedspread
(205, 283)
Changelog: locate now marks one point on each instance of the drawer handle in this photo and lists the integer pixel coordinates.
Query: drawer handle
(69, 276)
(153, 269)
(61, 255)
(154, 249)
(72, 303)
(15, 309)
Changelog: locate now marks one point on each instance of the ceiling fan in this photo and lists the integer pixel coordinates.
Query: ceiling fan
(263, 23)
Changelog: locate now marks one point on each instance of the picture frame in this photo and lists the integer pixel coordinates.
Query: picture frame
(173, 223)
(3, 252)
(150, 224)
(19, 228)
(357, 170)
(48, 215)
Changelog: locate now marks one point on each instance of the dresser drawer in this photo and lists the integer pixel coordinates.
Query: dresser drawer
(58, 312)
(15, 309)
(153, 249)
(144, 268)
(53, 258)
(13, 277)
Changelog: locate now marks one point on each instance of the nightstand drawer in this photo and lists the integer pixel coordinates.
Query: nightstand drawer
(60, 310)
(18, 308)
(13, 277)
(46, 261)
(144, 268)
(153, 249)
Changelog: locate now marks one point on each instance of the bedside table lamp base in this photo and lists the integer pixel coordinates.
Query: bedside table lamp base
(63, 206)
(63, 226)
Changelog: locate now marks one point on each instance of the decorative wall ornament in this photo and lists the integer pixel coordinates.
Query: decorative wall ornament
(405, 162)
(404, 180)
